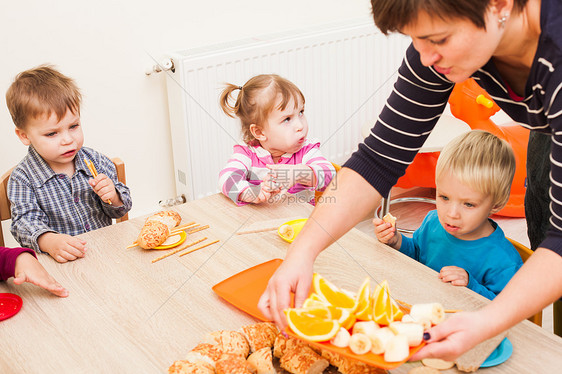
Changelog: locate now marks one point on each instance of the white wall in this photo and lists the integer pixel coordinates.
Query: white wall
(106, 45)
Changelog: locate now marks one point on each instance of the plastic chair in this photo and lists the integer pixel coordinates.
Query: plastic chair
(472, 104)
(5, 213)
(317, 194)
(525, 253)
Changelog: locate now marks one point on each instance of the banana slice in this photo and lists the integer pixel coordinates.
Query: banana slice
(397, 349)
(341, 339)
(413, 331)
(365, 327)
(287, 231)
(432, 311)
(360, 344)
(380, 339)
(437, 363)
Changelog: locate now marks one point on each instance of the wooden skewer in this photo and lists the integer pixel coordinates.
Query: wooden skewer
(409, 306)
(94, 172)
(176, 250)
(173, 232)
(198, 229)
(195, 249)
(257, 230)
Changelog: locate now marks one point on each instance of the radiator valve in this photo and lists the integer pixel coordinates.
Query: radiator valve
(164, 65)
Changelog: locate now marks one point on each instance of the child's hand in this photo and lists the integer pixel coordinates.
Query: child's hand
(28, 269)
(286, 176)
(386, 233)
(454, 275)
(103, 186)
(62, 247)
(257, 194)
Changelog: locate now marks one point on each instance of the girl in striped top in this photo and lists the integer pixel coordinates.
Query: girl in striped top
(513, 49)
(276, 155)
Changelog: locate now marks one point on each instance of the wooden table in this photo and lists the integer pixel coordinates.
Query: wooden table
(127, 315)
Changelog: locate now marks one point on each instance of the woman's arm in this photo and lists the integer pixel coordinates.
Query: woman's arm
(348, 199)
(536, 285)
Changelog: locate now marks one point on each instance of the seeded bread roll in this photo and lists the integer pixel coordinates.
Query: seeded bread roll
(229, 342)
(157, 228)
(152, 234)
(303, 360)
(260, 335)
(186, 367)
(261, 361)
(205, 352)
(169, 217)
(231, 363)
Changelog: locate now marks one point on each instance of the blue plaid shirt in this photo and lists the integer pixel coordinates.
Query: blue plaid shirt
(43, 201)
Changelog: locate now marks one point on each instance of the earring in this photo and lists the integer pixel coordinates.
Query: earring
(502, 20)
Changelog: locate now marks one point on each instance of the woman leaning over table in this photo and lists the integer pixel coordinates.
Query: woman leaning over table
(512, 48)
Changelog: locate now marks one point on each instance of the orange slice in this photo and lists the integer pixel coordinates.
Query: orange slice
(343, 316)
(364, 308)
(382, 308)
(314, 300)
(332, 294)
(310, 327)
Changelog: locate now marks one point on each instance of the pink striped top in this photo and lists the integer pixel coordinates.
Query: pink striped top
(248, 167)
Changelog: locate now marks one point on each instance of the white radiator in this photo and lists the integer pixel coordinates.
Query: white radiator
(345, 72)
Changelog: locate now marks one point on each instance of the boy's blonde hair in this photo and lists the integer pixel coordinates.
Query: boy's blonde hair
(257, 99)
(482, 161)
(42, 91)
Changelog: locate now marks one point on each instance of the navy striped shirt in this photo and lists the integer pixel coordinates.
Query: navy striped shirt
(419, 98)
(44, 201)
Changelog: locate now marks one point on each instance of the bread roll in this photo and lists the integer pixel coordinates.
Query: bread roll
(261, 361)
(205, 352)
(231, 363)
(168, 217)
(157, 228)
(152, 234)
(186, 367)
(260, 335)
(229, 342)
(303, 360)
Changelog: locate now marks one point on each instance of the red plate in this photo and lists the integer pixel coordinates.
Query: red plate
(243, 290)
(10, 305)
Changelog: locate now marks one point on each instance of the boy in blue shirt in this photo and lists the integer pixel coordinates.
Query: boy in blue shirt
(53, 194)
(473, 178)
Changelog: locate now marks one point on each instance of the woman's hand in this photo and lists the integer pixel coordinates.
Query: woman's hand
(294, 275)
(454, 336)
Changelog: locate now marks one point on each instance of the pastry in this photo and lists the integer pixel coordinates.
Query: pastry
(260, 335)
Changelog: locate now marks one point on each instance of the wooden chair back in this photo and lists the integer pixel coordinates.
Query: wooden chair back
(525, 253)
(5, 203)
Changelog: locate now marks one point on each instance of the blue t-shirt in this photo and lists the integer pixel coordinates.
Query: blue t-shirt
(490, 262)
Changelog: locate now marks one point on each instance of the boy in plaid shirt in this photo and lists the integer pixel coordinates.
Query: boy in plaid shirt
(52, 192)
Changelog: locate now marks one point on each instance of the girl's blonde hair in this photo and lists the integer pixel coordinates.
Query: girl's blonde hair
(257, 99)
(482, 161)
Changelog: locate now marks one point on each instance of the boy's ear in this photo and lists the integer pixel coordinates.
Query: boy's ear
(257, 132)
(496, 208)
(23, 136)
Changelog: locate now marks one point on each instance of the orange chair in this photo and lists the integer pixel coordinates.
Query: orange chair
(525, 253)
(317, 194)
(470, 103)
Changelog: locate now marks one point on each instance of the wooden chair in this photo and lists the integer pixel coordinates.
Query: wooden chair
(5, 203)
(525, 253)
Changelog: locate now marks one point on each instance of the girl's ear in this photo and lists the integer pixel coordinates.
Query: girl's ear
(257, 132)
(23, 136)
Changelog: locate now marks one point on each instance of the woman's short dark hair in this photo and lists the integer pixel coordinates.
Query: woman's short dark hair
(393, 15)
